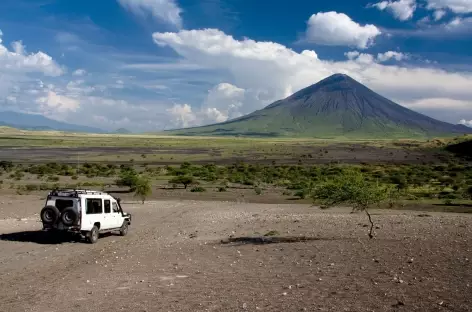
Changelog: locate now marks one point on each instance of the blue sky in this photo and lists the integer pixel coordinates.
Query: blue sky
(148, 65)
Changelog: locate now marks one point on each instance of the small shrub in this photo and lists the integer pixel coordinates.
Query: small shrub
(258, 190)
(31, 187)
(198, 189)
(52, 178)
(272, 233)
(448, 202)
(287, 193)
(74, 177)
(302, 193)
(222, 189)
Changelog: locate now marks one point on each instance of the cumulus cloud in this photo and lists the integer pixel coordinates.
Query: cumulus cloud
(456, 6)
(164, 10)
(398, 56)
(338, 29)
(466, 122)
(57, 103)
(19, 61)
(223, 102)
(402, 9)
(268, 71)
(352, 54)
(182, 115)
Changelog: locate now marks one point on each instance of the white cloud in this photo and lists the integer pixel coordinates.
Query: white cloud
(401, 9)
(164, 10)
(338, 29)
(398, 56)
(182, 115)
(78, 87)
(223, 102)
(366, 58)
(466, 122)
(456, 22)
(352, 54)
(54, 102)
(19, 62)
(268, 71)
(456, 6)
(79, 72)
(439, 14)
(440, 103)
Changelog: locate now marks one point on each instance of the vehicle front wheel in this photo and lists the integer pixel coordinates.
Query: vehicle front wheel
(92, 236)
(124, 229)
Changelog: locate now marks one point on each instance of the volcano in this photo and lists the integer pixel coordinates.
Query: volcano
(335, 107)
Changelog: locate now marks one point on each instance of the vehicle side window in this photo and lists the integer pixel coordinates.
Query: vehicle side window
(93, 206)
(115, 207)
(107, 206)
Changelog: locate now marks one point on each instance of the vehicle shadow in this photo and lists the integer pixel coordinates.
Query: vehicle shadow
(41, 237)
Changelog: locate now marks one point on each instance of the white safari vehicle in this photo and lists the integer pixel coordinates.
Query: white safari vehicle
(84, 212)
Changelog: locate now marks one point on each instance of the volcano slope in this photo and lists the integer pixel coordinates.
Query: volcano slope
(335, 107)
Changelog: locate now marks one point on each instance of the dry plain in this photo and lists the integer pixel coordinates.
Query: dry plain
(173, 260)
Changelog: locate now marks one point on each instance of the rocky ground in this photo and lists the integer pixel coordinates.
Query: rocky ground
(173, 260)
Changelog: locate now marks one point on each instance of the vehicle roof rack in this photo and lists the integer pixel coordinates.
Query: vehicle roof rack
(74, 192)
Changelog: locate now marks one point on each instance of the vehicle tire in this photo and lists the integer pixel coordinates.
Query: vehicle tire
(69, 216)
(92, 236)
(49, 215)
(124, 228)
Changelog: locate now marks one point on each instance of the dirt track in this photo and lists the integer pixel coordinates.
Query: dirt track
(172, 261)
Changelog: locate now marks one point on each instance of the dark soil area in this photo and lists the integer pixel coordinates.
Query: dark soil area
(309, 154)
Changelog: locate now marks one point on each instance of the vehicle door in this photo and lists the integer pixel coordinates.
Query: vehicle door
(109, 216)
(117, 215)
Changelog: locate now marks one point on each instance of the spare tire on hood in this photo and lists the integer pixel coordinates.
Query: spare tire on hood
(69, 216)
(49, 215)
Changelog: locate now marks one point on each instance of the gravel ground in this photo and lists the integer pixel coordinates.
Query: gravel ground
(172, 260)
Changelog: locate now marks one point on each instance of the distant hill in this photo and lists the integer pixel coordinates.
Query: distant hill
(335, 107)
(462, 148)
(122, 131)
(39, 122)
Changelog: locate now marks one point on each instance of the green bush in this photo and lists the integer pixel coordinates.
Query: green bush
(198, 189)
(31, 187)
(52, 178)
(222, 189)
(128, 178)
(258, 190)
(302, 193)
(143, 188)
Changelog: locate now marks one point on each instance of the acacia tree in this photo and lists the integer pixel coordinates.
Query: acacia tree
(353, 189)
(142, 188)
(185, 180)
